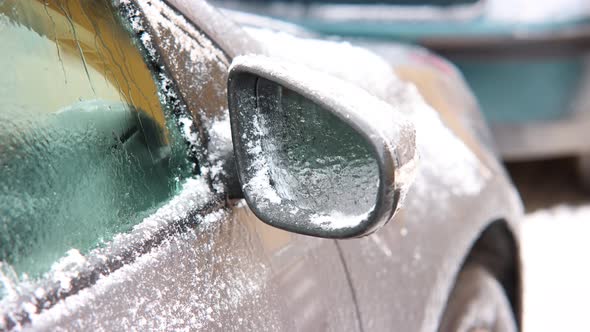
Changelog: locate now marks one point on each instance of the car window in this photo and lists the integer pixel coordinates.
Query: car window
(86, 148)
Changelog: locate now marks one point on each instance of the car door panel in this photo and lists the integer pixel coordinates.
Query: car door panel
(231, 272)
(308, 274)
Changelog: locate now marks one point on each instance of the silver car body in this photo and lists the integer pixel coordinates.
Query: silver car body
(204, 262)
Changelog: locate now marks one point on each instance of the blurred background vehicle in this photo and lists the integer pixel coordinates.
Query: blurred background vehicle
(526, 61)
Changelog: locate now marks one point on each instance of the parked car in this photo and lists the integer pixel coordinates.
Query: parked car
(527, 62)
(166, 168)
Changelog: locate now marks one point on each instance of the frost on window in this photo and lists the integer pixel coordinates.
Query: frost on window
(85, 148)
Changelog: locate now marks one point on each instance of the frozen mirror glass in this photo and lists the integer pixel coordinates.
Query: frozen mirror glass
(303, 168)
(86, 148)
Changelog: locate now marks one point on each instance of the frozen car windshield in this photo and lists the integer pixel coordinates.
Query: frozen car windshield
(86, 148)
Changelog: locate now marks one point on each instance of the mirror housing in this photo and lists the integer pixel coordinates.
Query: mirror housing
(315, 154)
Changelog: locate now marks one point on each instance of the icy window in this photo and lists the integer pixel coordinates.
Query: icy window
(86, 148)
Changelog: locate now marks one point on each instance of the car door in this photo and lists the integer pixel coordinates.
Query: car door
(115, 180)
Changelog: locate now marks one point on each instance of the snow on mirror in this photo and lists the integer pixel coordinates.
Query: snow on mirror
(306, 164)
(316, 168)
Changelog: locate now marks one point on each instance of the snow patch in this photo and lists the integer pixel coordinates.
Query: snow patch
(220, 129)
(68, 268)
(186, 124)
(337, 220)
(554, 249)
(219, 149)
(194, 195)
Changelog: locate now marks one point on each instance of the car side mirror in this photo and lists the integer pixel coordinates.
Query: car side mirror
(316, 155)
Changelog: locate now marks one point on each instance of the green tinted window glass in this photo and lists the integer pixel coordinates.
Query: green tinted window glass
(86, 150)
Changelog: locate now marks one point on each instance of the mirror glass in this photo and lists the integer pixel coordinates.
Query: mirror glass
(305, 166)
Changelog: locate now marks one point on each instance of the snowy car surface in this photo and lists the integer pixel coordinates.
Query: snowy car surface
(525, 61)
(196, 257)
